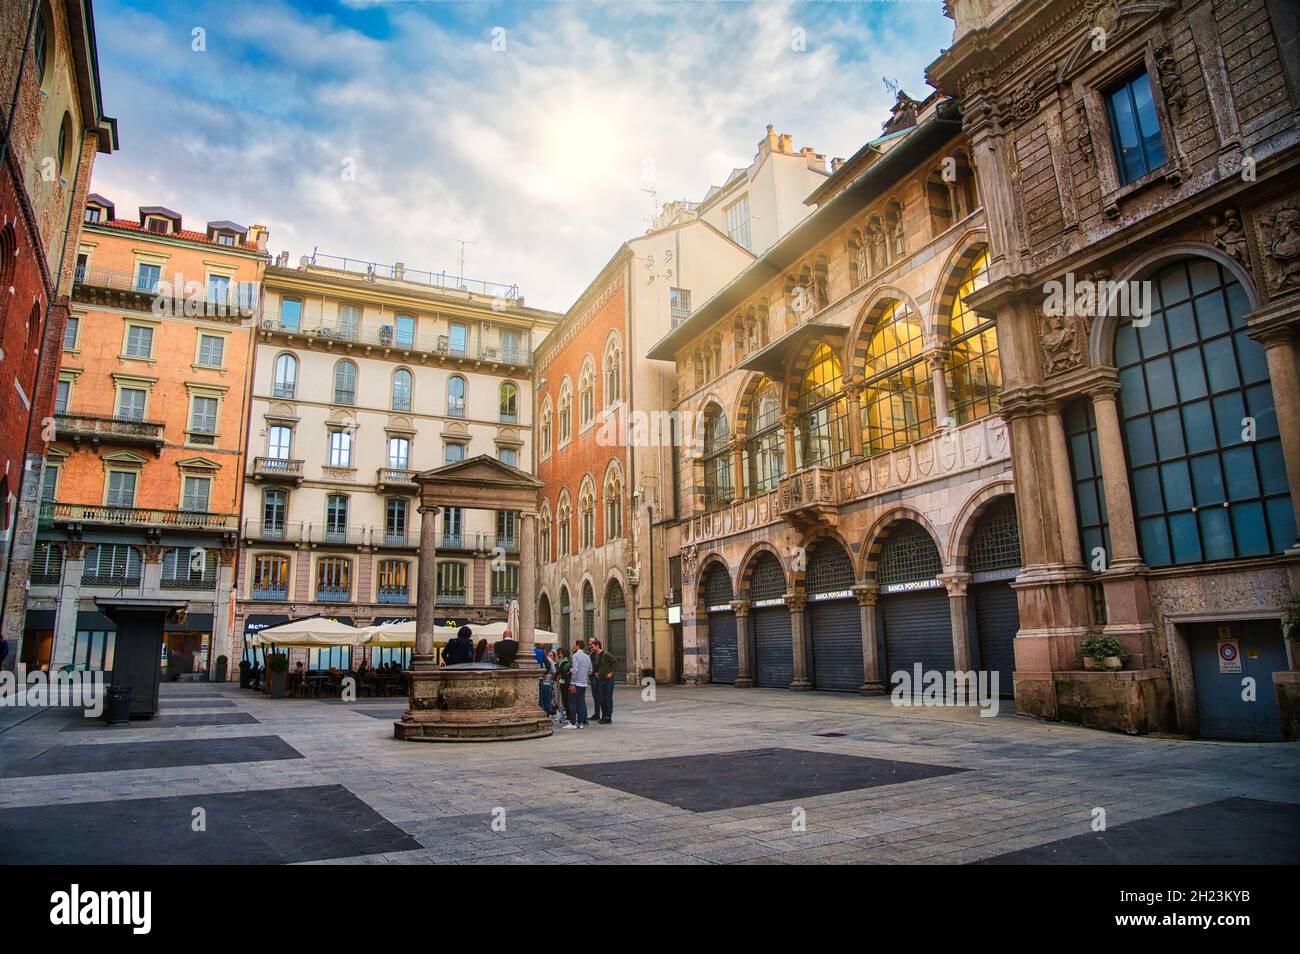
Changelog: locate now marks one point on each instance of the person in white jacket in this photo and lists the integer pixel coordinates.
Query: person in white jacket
(578, 684)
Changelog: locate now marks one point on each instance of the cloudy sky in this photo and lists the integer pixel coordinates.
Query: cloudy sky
(390, 131)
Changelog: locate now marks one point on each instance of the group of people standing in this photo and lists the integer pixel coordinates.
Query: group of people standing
(567, 677)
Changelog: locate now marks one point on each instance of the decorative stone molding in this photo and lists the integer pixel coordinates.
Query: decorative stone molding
(1228, 235)
(1064, 342)
(1280, 239)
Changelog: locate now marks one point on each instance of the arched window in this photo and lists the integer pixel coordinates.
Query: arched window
(566, 414)
(566, 615)
(765, 449)
(345, 383)
(564, 524)
(546, 428)
(586, 515)
(613, 505)
(544, 535)
(544, 612)
(455, 396)
(613, 373)
(401, 390)
(286, 376)
(898, 402)
(1204, 456)
(509, 403)
(587, 394)
(974, 373)
(588, 612)
(823, 411)
(719, 486)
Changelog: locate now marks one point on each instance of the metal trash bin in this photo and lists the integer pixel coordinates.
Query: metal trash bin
(117, 705)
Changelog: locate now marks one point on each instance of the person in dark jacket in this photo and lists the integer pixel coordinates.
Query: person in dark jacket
(563, 678)
(459, 649)
(603, 683)
(506, 649)
(597, 697)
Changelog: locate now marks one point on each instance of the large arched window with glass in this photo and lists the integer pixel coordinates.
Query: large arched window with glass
(719, 485)
(587, 394)
(1204, 455)
(613, 504)
(898, 400)
(566, 414)
(345, 383)
(613, 373)
(455, 396)
(823, 411)
(401, 390)
(974, 374)
(286, 376)
(509, 403)
(765, 449)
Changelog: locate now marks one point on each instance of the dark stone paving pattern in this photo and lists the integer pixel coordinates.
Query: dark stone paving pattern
(178, 721)
(375, 712)
(707, 783)
(196, 703)
(166, 696)
(277, 826)
(1231, 831)
(124, 756)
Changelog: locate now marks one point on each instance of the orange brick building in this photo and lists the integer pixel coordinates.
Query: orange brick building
(143, 478)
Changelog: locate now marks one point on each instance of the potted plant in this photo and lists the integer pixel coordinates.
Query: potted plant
(1103, 652)
(279, 666)
(222, 662)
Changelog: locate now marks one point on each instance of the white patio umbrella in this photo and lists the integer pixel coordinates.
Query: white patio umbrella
(403, 634)
(315, 631)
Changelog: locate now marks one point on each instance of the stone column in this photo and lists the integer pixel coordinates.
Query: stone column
(151, 571)
(744, 669)
(1284, 378)
(1067, 519)
(853, 394)
(938, 360)
(788, 421)
(65, 622)
(956, 584)
(872, 683)
(738, 468)
(527, 590)
(1114, 472)
(222, 637)
(798, 637)
(426, 596)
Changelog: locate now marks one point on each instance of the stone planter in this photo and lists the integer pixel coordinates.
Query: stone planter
(1091, 664)
(1112, 664)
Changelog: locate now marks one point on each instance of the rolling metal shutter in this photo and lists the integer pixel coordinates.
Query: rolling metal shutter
(837, 645)
(918, 629)
(723, 663)
(997, 618)
(773, 647)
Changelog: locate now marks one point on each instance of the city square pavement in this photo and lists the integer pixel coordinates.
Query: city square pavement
(698, 775)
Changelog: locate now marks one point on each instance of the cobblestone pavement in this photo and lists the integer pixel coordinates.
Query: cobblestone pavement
(965, 788)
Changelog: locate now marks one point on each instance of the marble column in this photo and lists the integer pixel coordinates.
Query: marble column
(1114, 472)
(426, 596)
(788, 421)
(65, 620)
(938, 361)
(797, 605)
(853, 395)
(872, 683)
(738, 468)
(959, 615)
(744, 669)
(1284, 378)
(527, 591)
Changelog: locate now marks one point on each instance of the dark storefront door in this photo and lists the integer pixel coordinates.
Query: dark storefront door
(918, 629)
(1225, 654)
(723, 661)
(773, 648)
(836, 645)
(997, 619)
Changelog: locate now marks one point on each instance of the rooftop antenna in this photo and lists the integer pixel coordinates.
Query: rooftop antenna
(460, 274)
(891, 85)
(654, 202)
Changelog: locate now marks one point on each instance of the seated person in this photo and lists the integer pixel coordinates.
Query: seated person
(507, 649)
(459, 649)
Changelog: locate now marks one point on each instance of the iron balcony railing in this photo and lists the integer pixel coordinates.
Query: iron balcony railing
(388, 538)
(277, 468)
(394, 594)
(338, 535)
(205, 582)
(276, 530)
(116, 430)
(143, 517)
(376, 271)
(276, 594)
(451, 599)
(185, 300)
(452, 541)
(96, 579)
(333, 594)
(384, 336)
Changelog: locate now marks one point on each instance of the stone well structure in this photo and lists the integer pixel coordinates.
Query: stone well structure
(474, 702)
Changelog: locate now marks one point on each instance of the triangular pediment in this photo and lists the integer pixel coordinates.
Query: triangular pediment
(480, 471)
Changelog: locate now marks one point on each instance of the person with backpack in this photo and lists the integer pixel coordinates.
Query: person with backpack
(564, 677)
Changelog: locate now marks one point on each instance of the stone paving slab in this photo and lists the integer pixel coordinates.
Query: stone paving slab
(168, 720)
(196, 702)
(122, 756)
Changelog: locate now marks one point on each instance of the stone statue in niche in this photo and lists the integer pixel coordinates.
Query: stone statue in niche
(1282, 246)
(1065, 339)
(1229, 236)
(690, 562)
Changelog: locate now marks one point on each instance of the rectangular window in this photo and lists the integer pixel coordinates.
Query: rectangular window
(334, 580)
(399, 453)
(62, 393)
(336, 518)
(508, 455)
(451, 583)
(219, 289)
(452, 453)
(452, 521)
(505, 584)
(70, 333)
(184, 565)
(738, 222)
(459, 338)
(92, 649)
(160, 226)
(121, 488)
(212, 351)
(679, 304)
(225, 238)
(340, 449)
(130, 403)
(194, 497)
(512, 347)
(405, 331)
(279, 442)
(506, 536)
(139, 341)
(92, 215)
(395, 522)
(203, 420)
(247, 295)
(290, 314)
(50, 484)
(146, 277)
(274, 508)
(1134, 128)
(349, 325)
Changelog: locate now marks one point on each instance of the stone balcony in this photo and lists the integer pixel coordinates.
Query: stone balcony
(277, 470)
(145, 518)
(809, 498)
(97, 429)
(395, 480)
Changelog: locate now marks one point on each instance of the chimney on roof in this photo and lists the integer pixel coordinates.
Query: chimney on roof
(786, 144)
(282, 260)
(399, 270)
(769, 143)
(259, 235)
(836, 163)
